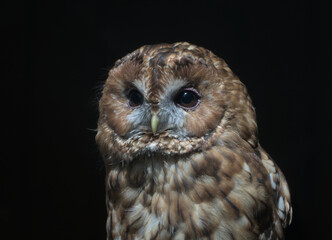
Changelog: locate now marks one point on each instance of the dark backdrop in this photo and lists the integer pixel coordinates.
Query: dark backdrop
(56, 55)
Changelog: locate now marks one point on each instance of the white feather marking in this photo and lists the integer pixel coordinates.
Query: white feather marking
(152, 146)
(151, 226)
(246, 167)
(142, 86)
(139, 116)
(173, 87)
(273, 184)
(281, 215)
(281, 204)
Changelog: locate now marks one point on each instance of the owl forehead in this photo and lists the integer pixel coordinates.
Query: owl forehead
(158, 83)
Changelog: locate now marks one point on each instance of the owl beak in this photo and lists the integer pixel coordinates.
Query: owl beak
(154, 123)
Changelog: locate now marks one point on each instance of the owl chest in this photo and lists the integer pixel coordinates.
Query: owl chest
(183, 198)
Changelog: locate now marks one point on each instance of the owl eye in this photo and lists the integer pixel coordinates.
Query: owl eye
(187, 99)
(135, 99)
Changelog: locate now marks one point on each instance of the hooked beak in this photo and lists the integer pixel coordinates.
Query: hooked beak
(154, 123)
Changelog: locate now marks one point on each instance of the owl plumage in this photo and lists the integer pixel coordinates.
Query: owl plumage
(178, 134)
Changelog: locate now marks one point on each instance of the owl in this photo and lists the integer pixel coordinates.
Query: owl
(177, 131)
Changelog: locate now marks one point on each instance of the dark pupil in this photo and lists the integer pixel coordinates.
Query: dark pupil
(187, 99)
(135, 99)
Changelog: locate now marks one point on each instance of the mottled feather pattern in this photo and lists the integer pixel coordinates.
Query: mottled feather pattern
(203, 173)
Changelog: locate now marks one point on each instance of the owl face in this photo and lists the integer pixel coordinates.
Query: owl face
(168, 99)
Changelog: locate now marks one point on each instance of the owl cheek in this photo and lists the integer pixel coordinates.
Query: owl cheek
(201, 122)
(117, 121)
(194, 127)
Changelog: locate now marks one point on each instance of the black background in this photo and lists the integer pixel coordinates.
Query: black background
(56, 55)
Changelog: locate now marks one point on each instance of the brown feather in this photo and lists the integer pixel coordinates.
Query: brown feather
(206, 178)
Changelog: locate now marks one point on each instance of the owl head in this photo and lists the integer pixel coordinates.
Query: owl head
(171, 99)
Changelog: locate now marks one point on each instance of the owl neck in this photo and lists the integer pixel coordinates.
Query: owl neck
(160, 174)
